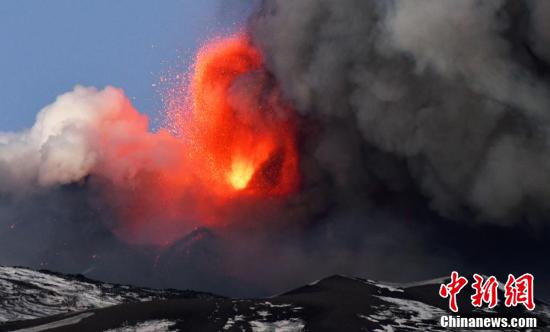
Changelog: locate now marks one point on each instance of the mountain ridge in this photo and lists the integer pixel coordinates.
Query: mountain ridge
(336, 302)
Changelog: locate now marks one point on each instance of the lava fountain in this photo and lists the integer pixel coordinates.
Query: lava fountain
(241, 134)
(230, 138)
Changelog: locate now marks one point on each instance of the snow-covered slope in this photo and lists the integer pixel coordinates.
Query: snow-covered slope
(28, 294)
(336, 303)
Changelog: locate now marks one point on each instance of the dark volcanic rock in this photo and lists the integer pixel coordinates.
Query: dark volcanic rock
(28, 294)
(337, 303)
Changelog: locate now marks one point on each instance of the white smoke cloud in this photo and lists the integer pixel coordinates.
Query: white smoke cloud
(60, 147)
(428, 98)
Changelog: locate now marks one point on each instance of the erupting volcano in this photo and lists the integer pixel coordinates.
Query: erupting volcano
(232, 137)
(241, 135)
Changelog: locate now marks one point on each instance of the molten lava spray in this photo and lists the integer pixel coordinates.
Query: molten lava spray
(241, 135)
(235, 140)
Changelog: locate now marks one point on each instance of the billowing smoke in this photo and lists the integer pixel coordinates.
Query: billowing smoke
(60, 148)
(391, 139)
(456, 89)
(228, 144)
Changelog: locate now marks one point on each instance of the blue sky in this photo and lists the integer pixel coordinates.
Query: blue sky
(47, 47)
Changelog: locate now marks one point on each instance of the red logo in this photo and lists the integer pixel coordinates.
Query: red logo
(516, 291)
(485, 292)
(452, 289)
(520, 291)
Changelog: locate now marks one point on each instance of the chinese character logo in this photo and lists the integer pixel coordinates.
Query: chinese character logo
(516, 291)
(520, 291)
(485, 292)
(452, 289)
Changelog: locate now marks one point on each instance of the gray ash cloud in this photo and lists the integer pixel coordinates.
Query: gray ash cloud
(457, 90)
(424, 143)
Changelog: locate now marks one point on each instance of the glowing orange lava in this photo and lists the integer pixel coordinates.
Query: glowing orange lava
(242, 136)
(241, 173)
(231, 142)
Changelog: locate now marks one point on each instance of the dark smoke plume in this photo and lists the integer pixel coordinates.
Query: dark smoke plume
(424, 147)
(458, 90)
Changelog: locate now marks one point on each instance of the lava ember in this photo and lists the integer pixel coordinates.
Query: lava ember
(240, 133)
(232, 137)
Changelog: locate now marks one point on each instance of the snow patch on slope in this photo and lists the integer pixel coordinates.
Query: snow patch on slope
(400, 314)
(231, 321)
(59, 323)
(28, 294)
(148, 326)
(288, 325)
